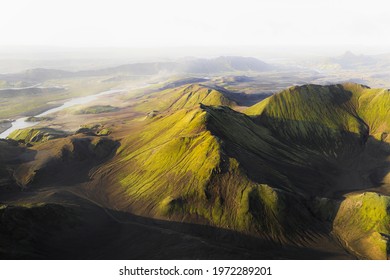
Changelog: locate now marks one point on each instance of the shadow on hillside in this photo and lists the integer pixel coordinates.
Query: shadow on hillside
(242, 99)
(323, 164)
(73, 167)
(306, 157)
(67, 165)
(11, 156)
(96, 233)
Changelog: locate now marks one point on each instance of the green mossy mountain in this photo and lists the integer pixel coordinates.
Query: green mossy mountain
(308, 164)
(183, 97)
(256, 173)
(176, 168)
(363, 225)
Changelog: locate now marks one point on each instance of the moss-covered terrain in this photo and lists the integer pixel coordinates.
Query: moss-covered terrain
(363, 225)
(34, 135)
(183, 97)
(98, 109)
(305, 168)
(256, 173)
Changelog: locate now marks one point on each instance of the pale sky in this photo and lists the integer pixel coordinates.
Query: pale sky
(168, 23)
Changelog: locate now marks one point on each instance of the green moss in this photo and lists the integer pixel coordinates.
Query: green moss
(360, 222)
(325, 112)
(258, 108)
(34, 135)
(98, 109)
(94, 129)
(104, 132)
(184, 97)
(213, 165)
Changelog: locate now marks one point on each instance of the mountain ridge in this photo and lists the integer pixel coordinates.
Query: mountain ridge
(195, 66)
(286, 170)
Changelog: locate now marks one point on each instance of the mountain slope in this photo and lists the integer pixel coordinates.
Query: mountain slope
(363, 225)
(183, 97)
(176, 168)
(291, 171)
(210, 164)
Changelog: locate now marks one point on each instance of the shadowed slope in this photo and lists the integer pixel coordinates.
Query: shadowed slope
(278, 173)
(212, 165)
(335, 124)
(175, 168)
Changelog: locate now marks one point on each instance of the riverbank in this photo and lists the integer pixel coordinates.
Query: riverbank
(4, 125)
(24, 123)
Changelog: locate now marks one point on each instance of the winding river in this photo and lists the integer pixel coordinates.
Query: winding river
(21, 122)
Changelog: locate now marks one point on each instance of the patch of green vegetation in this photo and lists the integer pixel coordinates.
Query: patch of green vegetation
(326, 114)
(103, 132)
(373, 107)
(258, 108)
(94, 129)
(38, 119)
(314, 115)
(184, 97)
(361, 222)
(35, 135)
(98, 109)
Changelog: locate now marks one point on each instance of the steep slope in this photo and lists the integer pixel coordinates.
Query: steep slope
(315, 116)
(186, 96)
(290, 171)
(346, 123)
(363, 225)
(372, 105)
(176, 168)
(254, 174)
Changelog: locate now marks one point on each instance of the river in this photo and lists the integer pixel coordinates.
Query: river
(21, 122)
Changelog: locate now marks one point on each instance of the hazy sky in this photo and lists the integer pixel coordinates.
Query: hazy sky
(167, 23)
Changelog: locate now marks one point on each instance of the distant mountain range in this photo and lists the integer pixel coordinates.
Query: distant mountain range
(351, 60)
(188, 66)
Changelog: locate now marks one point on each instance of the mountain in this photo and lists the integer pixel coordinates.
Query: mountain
(350, 60)
(186, 96)
(305, 169)
(188, 66)
(37, 75)
(258, 174)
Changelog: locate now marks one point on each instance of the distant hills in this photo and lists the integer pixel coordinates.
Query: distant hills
(350, 60)
(185, 66)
